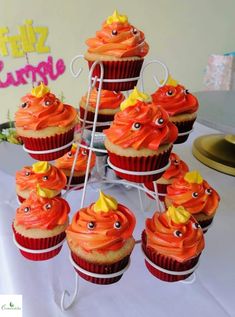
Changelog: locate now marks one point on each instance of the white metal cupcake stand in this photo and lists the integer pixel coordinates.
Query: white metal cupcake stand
(92, 80)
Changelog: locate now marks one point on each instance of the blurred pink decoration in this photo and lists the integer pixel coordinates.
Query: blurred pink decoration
(220, 73)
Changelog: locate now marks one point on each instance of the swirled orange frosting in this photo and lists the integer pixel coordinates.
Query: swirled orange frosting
(66, 161)
(42, 213)
(177, 167)
(175, 100)
(36, 113)
(101, 231)
(142, 126)
(25, 178)
(194, 197)
(108, 99)
(118, 38)
(180, 241)
(53, 179)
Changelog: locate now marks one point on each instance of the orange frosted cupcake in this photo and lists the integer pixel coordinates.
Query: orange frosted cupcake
(181, 106)
(65, 164)
(177, 168)
(44, 123)
(172, 242)
(140, 138)
(43, 177)
(195, 195)
(101, 241)
(109, 105)
(121, 47)
(40, 224)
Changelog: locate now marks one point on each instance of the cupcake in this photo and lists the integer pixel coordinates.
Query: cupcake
(43, 177)
(140, 139)
(121, 48)
(109, 105)
(172, 243)
(181, 106)
(65, 164)
(40, 224)
(45, 124)
(194, 193)
(177, 168)
(100, 239)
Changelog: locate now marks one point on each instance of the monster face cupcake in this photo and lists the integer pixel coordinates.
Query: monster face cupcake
(195, 195)
(101, 241)
(43, 177)
(40, 224)
(140, 139)
(172, 242)
(65, 164)
(177, 168)
(44, 123)
(121, 48)
(181, 106)
(109, 105)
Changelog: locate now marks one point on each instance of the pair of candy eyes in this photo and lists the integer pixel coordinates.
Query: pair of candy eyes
(46, 207)
(115, 32)
(208, 191)
(137, 126)
(84, 152)
(46, 103)
(179, 234)
(91, 225)
(44, 178)
(170, 93)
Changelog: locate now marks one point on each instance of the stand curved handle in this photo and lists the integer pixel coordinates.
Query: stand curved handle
(66, 293)
(71, 66)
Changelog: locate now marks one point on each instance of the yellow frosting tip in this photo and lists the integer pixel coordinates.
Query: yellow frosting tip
(134, 96)
(40, 91)
(44, 192)
(116, 17)
(41, 167)
(178, 214)
(171, 81)
(193, 177)
(105, 203)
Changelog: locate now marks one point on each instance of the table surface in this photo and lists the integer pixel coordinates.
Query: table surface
(217, 110)
(138, 293)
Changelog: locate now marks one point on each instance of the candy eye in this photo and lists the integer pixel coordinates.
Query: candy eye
(45, 178)
(208, 191)
(84, 152)
(178, 233)
(47, 103)
(114, 32)
(117, 225)
(91, 225)
(24, 105)
(26, 209)
(27, 173)
(196, 225)
(69, 154)
(48, 206)
(136, 126)
(134, 31)
(159, 121)
(186, 91)
(176, 162)
(169, 93)
(194, 194)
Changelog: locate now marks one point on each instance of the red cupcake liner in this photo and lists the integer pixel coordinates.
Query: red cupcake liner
(39, 244)
(140, 164)
(182, 127)
(48, 143)
(100, 118)
(20, 198)
(118, 70)
(161, 188)
(76, 180)
(166, 263)
(100, 269)
(204, 223)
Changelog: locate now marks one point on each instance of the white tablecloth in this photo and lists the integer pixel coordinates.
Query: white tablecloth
(138, 293)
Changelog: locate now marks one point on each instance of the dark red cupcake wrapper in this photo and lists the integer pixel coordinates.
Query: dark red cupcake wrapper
(204, 223)
(100, 118)
(118, 70)
(140, 164)
(182, 127)
(39, 244)
(100, 269)
(20, 198)
(48, 143)
(166, 263)
(76, 180)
